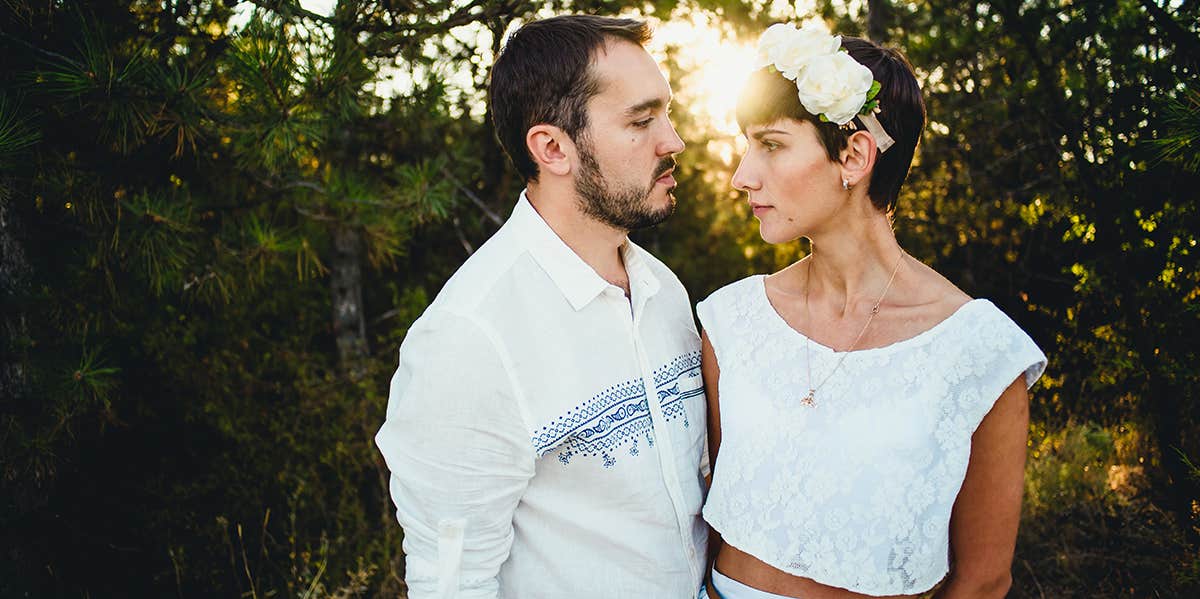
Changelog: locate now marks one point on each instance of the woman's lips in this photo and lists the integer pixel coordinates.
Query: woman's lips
(759, 209)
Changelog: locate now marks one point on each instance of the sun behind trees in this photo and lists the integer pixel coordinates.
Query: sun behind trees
(214, 238)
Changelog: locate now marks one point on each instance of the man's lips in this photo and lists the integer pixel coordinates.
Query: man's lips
(666, 178)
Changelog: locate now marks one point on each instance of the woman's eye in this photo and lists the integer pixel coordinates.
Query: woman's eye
(770, 146)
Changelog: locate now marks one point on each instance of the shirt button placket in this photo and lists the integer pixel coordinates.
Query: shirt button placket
(666, 454)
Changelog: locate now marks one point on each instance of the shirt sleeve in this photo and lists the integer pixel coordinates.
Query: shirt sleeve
(460, 456)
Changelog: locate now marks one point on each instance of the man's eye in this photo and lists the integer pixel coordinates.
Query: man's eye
(642, 124)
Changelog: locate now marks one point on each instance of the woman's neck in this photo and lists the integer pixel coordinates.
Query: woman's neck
(852, 264)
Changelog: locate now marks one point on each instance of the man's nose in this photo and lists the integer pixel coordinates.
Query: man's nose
(674, 143)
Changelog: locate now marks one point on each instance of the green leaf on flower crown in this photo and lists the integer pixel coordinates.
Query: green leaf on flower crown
(869, 107)
(824, 119)
(874, 91)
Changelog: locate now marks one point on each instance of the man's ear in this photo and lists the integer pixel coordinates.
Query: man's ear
(552, 150)
(858, 159)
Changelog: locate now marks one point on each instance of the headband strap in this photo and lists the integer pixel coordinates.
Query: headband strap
(883, 141)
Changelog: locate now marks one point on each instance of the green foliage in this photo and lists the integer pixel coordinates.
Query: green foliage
(181, 223)
(93, 381)
(111, 88)
(1083, 464)
(159, 238)
(1181, 120)
(15, 134)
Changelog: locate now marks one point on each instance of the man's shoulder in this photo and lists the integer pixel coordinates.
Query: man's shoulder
(474, 282)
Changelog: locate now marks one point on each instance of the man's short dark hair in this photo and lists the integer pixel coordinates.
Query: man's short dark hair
(769, 97)
(543, 76)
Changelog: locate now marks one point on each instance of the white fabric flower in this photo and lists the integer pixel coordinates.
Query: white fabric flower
(802, 46)
(834, 85)
(770, 42)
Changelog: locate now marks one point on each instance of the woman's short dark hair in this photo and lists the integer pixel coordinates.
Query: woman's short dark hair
(543, 76)
(769, 97)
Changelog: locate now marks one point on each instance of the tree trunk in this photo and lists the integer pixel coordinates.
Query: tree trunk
(1164, 406)
(349, 323)
(1165, 403)
(14, 276)
(877, 18)
(496, 176)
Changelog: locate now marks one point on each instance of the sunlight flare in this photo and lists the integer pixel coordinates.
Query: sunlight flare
(715, 68)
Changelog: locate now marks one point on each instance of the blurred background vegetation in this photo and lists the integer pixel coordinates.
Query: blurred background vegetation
(218, 218)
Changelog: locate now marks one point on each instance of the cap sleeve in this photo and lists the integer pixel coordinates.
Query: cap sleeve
(710, 314)
(999, 353)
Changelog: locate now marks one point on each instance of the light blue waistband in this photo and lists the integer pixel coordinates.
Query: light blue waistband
(728, 588)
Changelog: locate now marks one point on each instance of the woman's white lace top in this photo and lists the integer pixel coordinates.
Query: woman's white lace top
(856, 491)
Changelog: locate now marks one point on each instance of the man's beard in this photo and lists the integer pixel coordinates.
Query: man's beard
(623, 206)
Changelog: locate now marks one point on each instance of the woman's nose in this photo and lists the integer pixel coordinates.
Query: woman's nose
(743, 177)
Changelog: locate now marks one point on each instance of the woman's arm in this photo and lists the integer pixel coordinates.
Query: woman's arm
(983, 525)
(712, 373)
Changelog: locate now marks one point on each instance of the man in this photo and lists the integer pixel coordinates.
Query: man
(545, 429)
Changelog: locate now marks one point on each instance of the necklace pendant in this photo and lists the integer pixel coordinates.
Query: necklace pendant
(810, 399)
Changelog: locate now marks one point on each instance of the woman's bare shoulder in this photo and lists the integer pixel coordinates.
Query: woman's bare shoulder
(936, 295)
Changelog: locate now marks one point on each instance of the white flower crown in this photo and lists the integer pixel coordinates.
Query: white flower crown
(830, 83)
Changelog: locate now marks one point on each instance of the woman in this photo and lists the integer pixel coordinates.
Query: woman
(867, 418)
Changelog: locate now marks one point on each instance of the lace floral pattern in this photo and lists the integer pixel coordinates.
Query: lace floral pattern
(855, 492)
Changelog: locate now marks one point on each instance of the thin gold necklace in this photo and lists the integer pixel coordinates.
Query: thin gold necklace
(811, 398)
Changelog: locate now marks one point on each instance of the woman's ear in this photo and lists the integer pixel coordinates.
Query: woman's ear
(552, 150)
(858, 159)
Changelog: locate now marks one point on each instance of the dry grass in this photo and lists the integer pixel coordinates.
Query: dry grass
(1088, 528)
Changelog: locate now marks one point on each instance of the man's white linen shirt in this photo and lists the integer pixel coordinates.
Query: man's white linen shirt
(546, 434)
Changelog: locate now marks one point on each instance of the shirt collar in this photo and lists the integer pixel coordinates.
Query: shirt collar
(641, 278)
(577, 281)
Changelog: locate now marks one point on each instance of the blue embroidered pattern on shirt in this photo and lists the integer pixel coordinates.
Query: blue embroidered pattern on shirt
(620, 415)
(676, 382)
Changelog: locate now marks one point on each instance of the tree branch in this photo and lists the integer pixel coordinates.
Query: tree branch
(42, 51)
(492, 216)
(290, 8)
(462, 238)
(1187, 45)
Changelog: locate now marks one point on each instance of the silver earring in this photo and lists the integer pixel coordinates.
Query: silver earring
(846, 184)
